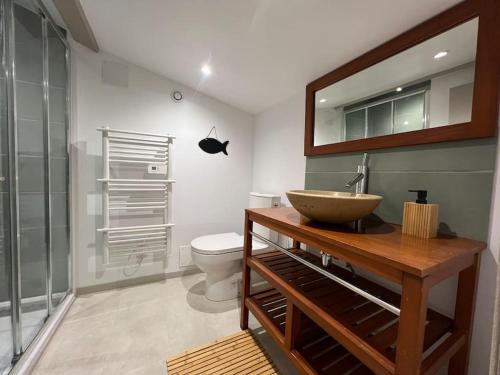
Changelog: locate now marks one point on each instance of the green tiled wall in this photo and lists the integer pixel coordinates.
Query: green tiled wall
(457, 175)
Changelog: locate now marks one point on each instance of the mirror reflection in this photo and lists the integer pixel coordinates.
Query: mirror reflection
(426, 86)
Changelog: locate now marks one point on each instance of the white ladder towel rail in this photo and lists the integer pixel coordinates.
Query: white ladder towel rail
(145, 198)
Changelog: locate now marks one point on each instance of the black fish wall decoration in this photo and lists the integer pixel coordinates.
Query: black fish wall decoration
(213, 145)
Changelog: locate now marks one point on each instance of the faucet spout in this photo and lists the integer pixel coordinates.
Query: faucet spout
(358, 177)
(361, 178)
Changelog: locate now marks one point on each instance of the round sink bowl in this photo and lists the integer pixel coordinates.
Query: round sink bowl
(333, 206)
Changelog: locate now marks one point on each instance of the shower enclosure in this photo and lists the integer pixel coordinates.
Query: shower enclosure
(34, 169)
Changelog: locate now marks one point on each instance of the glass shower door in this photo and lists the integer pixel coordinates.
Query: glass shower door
(6, 348)
(59, 165)
(33, 223)
(34, 170)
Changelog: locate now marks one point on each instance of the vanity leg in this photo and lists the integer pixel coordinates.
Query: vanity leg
(247, 252)
(293, 325)
(464, 315)
(410, 343)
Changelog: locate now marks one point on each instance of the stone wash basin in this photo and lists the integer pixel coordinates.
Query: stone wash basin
(333, 206)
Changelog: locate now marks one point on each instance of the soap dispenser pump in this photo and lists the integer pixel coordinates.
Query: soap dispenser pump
(420, 219)
(421, 196)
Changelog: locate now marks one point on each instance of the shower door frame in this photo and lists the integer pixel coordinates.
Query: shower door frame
(12, 175)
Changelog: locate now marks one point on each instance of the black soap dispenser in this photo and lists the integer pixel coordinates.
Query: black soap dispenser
(420, 219)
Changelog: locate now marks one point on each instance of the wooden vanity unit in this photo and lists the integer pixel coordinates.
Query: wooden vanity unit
(341, 324)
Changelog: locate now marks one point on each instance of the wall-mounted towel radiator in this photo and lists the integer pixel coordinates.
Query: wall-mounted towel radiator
(136, 182)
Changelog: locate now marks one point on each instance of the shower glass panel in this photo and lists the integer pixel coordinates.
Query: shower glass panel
(6, 348)
(28, 34)
(59, 165)
(34, 169)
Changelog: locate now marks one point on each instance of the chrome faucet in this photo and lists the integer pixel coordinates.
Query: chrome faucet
(361, 182)
(361, 178)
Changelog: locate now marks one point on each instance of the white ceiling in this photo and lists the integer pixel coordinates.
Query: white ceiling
(261, 51)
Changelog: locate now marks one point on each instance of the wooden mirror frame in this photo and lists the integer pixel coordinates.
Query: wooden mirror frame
(486, 97)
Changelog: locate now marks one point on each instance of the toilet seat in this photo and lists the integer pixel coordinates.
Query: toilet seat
(222, 243)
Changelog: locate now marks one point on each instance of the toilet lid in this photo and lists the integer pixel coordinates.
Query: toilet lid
(222, 243)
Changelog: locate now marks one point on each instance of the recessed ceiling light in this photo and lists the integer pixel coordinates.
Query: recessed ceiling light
(322, 100)
(206, 70)
(440, 55)
(406, 123)
(399, 89)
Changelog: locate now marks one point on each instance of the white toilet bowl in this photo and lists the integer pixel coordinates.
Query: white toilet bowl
(220, 257)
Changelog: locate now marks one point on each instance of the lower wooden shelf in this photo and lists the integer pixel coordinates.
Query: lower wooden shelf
(326, 356)
(316, 349)
(376, 326)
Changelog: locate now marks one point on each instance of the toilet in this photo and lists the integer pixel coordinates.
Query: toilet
(220, 255)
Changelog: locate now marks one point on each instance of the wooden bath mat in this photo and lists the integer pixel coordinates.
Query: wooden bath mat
(238, 354)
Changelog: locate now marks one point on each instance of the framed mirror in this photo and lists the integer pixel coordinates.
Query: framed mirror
(437, 82)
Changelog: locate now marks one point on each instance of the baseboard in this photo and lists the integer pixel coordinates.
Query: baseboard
(132, 282)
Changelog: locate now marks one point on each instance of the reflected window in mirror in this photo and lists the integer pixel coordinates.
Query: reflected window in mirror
(426, 86)
(401, 111)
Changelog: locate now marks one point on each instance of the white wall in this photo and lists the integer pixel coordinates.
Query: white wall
(282, 168)
(440, 94)
(328, 124)
(211, 190)
(279, 163)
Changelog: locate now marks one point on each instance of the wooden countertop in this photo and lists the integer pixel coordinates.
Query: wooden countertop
(380, 242)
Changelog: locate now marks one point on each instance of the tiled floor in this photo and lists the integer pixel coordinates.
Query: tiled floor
(5, 342)
(31, 323)
(134, 330)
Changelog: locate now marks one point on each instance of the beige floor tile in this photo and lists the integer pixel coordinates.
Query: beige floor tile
(134, 330)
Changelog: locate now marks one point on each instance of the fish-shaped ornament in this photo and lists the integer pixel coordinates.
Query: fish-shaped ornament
(213, 145)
